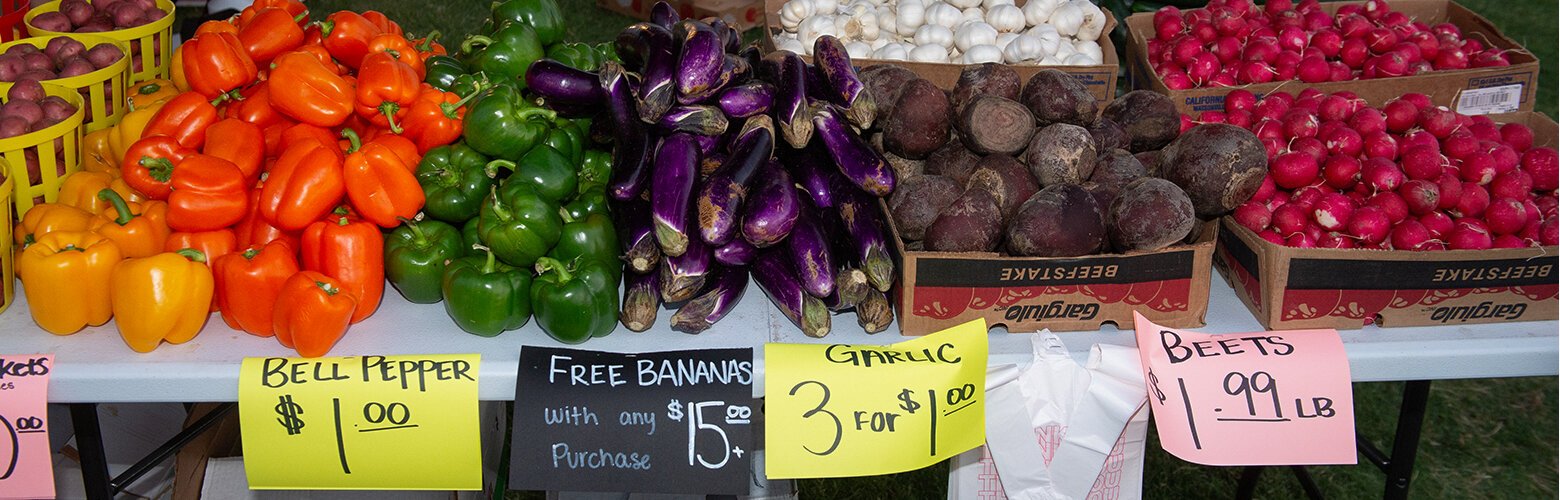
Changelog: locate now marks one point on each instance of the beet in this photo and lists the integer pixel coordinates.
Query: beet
(1150, 119)
(904, 168)
(917, 202)
(1108, 135)
(973, 223)
(920, 123)
(1061, 153)
(1219, 166)
(886, 82)
(1057, 97)
(1062, 220)
(988, 79)
(994, 124)
(1006, 179)
(954, 161)
(1150, 161)
(1114, 169)
(1148, 214)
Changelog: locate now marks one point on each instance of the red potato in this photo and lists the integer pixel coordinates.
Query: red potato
(62, 49)
(38, 61)
(12, 126)
(76, 67)
(21, 49)
(26, 110)
(56, 109)
(126, 14)
(104, 4)
(52, 21)
(77, 11)
(152, 16)
(26, 90)
(38, 74)
(105, 55)
(11, 66)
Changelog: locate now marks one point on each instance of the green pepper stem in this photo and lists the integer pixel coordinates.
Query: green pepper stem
(300, 17)
(149, 88)
(545, 264)
(492, 265)
(120, 207)
(389, 109)
(329, 290)
(251, 253)
(428, 40)
(326, 27)
(161, 169)
(498, 207)
(450, 108)
(353, 139)
(567, 217)
(526, 114)
(474, 40)
(192, 254)
(417, 232)
(491, 169)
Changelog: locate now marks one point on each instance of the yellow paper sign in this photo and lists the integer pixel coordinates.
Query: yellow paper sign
(361, 422)
(847, 410)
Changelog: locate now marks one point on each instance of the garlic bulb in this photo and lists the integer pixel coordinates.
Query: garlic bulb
(972, 34)
(1003, 39)
(1068, 18)
(891, 52)
(988, 4)
(1038, 12)
(943, 14)
(858, 8)
(1091, 49)
(1093, 24)
(982, 54)
(909, 17)
(879, 43)
(1050, 61)
(1006, 18)
(829, 7)
(970, 15)
(933, 34)
(1023, 48)
(794, 12)
(964, 4)
(813, 28)
(1079, 59)
(789, 44)
(863, 27)
(858, 49)
(929, 53)
(886, 20)
(1064, 49)
(1049, 38)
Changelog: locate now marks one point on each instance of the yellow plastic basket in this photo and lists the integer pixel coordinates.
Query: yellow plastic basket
(103, 90)
(151, 45)
(58, 153)
(7, 257)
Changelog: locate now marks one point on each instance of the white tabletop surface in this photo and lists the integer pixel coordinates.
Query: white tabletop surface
(94, 365)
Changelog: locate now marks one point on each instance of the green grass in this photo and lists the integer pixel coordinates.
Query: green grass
(1483, 438)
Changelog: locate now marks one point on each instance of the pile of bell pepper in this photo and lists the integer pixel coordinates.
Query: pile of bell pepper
(516, 213)
(255, 182)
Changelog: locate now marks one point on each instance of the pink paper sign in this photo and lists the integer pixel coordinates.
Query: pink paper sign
(26, 463)
(1265, 398)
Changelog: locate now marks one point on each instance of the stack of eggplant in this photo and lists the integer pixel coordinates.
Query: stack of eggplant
(706, 191)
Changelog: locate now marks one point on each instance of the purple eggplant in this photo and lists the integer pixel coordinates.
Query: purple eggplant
(556, 82)
(753, 56)
(850, 287)
(709, 144)
(671, 192)
(682, 276)
(655, 47)
(864, 233)
(723, 289)
(769, 212)
(737, 253)
(710, 163)
(748, 99)
(631, 156)
(632, 45)
(698, 62)
(792, 115)
(814, 174)
(854, 157)
(640, 251)
(809, 247)
(664, 15)
(730, 38)
(641, 301)
(874, 313)
(700, 120)
(720, 197)
(773, 272)
(843, 86)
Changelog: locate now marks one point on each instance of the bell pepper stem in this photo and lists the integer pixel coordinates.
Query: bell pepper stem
(545, 264)
(250, 254)
(472, 41)
(192, 254)
(529, 113)
(427, 43)
(450, 108)
(300, 17)
(492, 265)
(120, 207)
(492, 167)
(160, 168)
(389, 109)
(498, 207)
(417, 232)
(567, 217)
(353, 139)
(327, 288)
(326, 27)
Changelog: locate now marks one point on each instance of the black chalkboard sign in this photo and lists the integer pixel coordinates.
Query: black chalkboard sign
(664, 422)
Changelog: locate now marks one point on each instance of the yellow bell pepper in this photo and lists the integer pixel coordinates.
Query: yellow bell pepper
(130, 128)
(163, 297)
(67, 280)
(96, 155)
(176, 70)
(140, 229)
(80, 190)
(50, 217)
(150, 91)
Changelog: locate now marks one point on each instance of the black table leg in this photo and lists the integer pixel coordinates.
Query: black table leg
(1405, 443)
(89, 444)
(1248, 482)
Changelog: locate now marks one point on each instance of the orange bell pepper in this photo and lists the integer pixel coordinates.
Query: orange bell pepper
(383, 22)
(80, 190)
(313, 93)
(176, 70)
(213, 244)
(346, 35)
(238, 142)
(380, 185)
(130, 128)
(216, 63)
(269, 33)
(67, 276)
(163, 297)
(185, 118)
(294, 9)
(319, 53)
(313, 312)
(429, 46)
(352, 251)
(303, 185)
(254, 230)
(206, 192)
(150, 91)
(436, 119)
(95, 153)
(386, 90)
(403, 50)
(140, 229)
(256, 106)
(216, 26)
(50, 217)
(304, 132)
(402, 147)
(248, 283)
(143, 154)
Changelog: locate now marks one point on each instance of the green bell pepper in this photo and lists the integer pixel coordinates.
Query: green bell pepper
(471, 237)
(442, 71)
(565, 138)
(519, 224)
(504, 55)
(454, 179)
(548, 172)
(592, 201)
(591, 237)
(575, 301)
(415, 254)
(595, 170)
(576, 55)
(503, 124)
(542, 15)
(486, 297)
(605, 51)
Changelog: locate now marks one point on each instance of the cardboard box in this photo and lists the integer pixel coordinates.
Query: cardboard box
(1295, 288)
(1100, 80)
(937, 290)
(744, 14)
(1470, 91)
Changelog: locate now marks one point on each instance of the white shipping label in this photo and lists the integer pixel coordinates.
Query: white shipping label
(1502, 99)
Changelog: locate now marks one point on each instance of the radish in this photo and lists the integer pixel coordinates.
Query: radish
(1211, 117)
(1381, 174)
(1380, 40)
(1401, 115)
(1292, 38)
(1240, 100)
(1468, 237)
(1428, 46)
(1381, 145)
(1268, 128)
(1329, 126)
(1340, 71)
(1422, 161)
(1485, 131)
(1517, 135)
(1489, 59)
(1310, 146)
(1354, 52)
(1479, 169)
(1168, 27)
(1225, 78)
(1332, 211)
(1514, 184)
(1438, 120)
(1548, 206)
(1260, 49)
(1344, 141)
(1353, 26)
(1255, 71)
(1534, 213)
(1313, 70)
(1450, 188)
(1240, 119)
(1505, 216)
(1204, 31)
(1460, 144)
(1300, 240)
(1186, 123)
(1411, 235)
(1375, 10)
(1438, 223)
(1328, 41)
(1341, 172)
(1447, 29)
(1281, 99)
(1369, 224)
(1274, 147)
(1336, 108)
(1290, 218)
(1390, 204)
(1177, 81)
(1549, 232)
(1419, 100)
(1273, 7)
(1294, 170)
(1254, 216)
(1421, 196)
(1203, 68)
(1543, 164)
(1298, 123)
(1335, 240)
(1266, 190)
(1227, 49)
(1451, 58)
(1307, 196)
(1475, 199)
(1368, 120)
(1506, 159)
(1185, 49)
(1413, 138)
(1508, 241)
